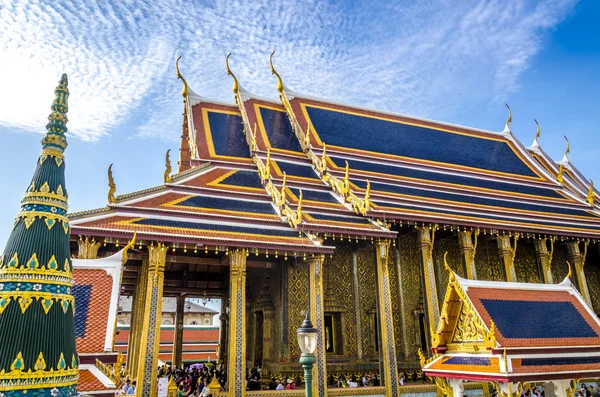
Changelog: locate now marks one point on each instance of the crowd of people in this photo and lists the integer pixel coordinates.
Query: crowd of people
(194, 380)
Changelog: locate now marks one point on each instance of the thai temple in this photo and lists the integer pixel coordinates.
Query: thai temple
(444, 260)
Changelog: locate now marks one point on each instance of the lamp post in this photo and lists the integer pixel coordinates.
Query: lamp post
(307, 339)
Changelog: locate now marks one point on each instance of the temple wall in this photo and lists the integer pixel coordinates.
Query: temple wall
(297, 304)
(367, 301)
(487, 260)
(339, 295)
(526, 265)
(560, 269)
(409, 284)
(455, 261)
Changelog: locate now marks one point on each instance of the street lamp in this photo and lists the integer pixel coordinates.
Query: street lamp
(307, 339)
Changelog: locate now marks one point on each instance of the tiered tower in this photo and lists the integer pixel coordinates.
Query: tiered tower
(37, 338)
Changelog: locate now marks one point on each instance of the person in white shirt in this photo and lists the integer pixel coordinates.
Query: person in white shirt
(279, 386)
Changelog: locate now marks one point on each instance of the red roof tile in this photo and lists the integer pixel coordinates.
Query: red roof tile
(97, 309)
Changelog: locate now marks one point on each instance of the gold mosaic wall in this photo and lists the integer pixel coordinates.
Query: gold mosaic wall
(409, 283)
(526, 265)
(298, 302)
(367, 285)
(560, 269)
(455, 261)
(487, 260)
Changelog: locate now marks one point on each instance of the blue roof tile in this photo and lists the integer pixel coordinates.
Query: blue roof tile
(221, 203)
(82, 294)
(279, 130)
(356, 131)
(459, 360)
(540, 320)
(446, 178)
(228, 134)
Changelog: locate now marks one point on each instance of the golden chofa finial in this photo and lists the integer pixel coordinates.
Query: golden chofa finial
(112, 188)
(167, 175)
(591, 194)
(509, 120)
(273, 71)
(184, 91)
(236, 86)
(568, 147)
(538, 133)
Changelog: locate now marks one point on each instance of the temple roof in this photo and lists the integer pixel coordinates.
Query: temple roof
(506, 331)
(436, 172)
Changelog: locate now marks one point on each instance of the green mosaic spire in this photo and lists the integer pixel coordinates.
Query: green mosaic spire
(37, 337)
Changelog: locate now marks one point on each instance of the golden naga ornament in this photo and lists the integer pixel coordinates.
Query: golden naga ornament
(591, 196)
(112, 188)
(167, 175)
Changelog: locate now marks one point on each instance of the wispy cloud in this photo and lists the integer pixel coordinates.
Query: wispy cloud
(120, 56)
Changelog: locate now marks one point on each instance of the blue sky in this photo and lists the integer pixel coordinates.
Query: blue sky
(451, 61)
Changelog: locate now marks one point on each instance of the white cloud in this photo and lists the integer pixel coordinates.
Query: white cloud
(120, 57)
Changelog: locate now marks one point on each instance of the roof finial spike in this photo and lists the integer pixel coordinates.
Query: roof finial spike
(167, 175)
(538, 133)
(591, 194)
(570, 273)
(184, 90)
(273, 71)
(112, 188)
(509, 120)
(568, 150)
(57, 125)
(236, 86)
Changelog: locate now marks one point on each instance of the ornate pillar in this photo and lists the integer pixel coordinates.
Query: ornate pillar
(178, 332)
(357, 306)
(150, 332)
(578, 260)
(236, 370)
(544, 258)
(388, 344)
(467, 241)
(88, 249)
(317, 315)
(426, 239)
(136, 320)
(507, 254)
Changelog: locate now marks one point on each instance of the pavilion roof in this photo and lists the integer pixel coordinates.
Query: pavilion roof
(511, 332)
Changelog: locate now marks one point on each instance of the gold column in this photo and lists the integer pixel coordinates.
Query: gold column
(357, 306)
(426, 239)
(467, 241)
(236, 370)
(178, 332)
(267, 337)
(578, 260)
(315, 293)
(507, 256)
(88, 249)
(388, 344)
(150, 335)
(137, 318)
(544, 257)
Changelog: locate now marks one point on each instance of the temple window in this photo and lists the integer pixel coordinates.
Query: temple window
(333, 338)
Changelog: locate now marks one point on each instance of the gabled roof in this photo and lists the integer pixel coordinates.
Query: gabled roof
(322, 212)
(514, 332)
(424, 170)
